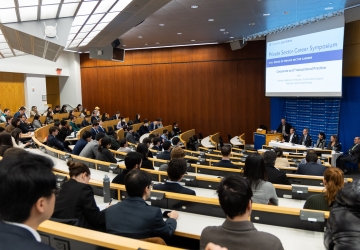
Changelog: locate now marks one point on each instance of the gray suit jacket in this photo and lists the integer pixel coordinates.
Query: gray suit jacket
(239, 235)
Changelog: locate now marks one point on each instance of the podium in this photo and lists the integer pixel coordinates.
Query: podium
(262, 138)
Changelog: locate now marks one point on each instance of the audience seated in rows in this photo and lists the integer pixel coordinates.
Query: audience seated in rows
(165, 155)
(71, 114)
(175, 142)
(176, 170)
(280, 161)
(63, 109)
(80, 144)
(124, 146)
(8, 120)
(100, 128)
(129, 135)
(133, 217)
(121, 123)
(156, 144)
(352, 157)
(143, 149)
(333, 182)
(73, 123)
(237, 231)
(14, 124)
(94, 117)
(274, 175)
(36, 122)
(255, 173)
(114, 142)
(225, 161)
(27, 198)
(76, 199)
(64, 131)
(52, 140)
(311, 167)
(23, 125)
(334, 144)
(144, 129)
(147, 141)
(91, 148)
(57, 109)
(85, 123)
(104, 153)
(5, 142)
(34, 111)
(303, 160)
(49, 117)
(342, 230)
(20, 112)
(176, 153)
(154, 125)
(132, 161)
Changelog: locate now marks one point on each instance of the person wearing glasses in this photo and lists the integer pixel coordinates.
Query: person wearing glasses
(76, 199)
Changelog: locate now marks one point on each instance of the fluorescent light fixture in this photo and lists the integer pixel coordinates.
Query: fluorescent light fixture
(266, 14)
(28, 13)
(194, 6)
(93, 33)
(139, 36)
(109, 17)
(192, 40)
(46, 2)
(86, 8)
(71, 36)
(121, 5)
(23, 3)
(70, 50)
(95, 18)
(7, 4)
(68, 9)
(77, 40)
(222, 29)
(71, 1)
(79, 20)
(81, 35)
(8, 15)
(87, 27)
(100, 26)
(74, 29)
(179, 33)
(104, 6)
(161, 24)
(211, 20)
(171, 46)
(49, 11)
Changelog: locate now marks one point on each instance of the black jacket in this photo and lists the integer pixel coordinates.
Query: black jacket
(276, 176)
(53, 142)
(147, 164)
(308, 140)
(294, 139)
(106, 155)
(24, 127)
(354, 153)
(120, 178)
(343, 230)
(63, 133)
(287, 128)
(76, 201)
(311, 168)
(85, 123)
(173, 187)
(176, 131)
(225, 164)
(143, 130)
(336, 147)
(164, 156)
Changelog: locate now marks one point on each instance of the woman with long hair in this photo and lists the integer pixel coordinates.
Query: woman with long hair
(63, 109)
(143, 149)
(321, 141)
(280, 161)
(36, 122)
(333, 182)
(15, 137)
(334, 143)
(104, 152)
(5, 142)
(255, 173)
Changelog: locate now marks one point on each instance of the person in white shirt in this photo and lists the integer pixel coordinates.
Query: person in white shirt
(124, 146)
(3, 116)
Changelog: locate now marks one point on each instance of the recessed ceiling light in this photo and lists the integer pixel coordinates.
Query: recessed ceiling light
(193, 40)
(251, 23)
(179, 33)
(157, 43)
(267, 14)
(161, 24)
(231, 37)
(146, 44)
(226, 32)
(194, 6)
(139, 36)
(222, 29)
(211, 20)
(124, 45)
(286, 12)
(329, 8)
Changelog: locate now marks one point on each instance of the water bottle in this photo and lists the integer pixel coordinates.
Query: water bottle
(106, 189)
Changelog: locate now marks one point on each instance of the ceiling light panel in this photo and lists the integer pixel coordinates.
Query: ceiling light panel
(104, 6)
(79, 20)
(49, 11)
(75, 29)
(46, 2)
(93, 33)
(109, 17)
(101, 26)
(121, 5)
(68, 9)
(23, 3)
(28, 13)
(4, 46)
(8, 15)
(95, 18)
(7, 4)
(87, 27)
(71, 1)
(2, 39)
(81, 35)
(86, 8)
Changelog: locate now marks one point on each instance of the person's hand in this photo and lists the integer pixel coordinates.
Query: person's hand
(212, 246)
(173, 214)
(27, 144)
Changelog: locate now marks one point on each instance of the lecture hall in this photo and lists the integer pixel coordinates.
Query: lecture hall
(179, 124)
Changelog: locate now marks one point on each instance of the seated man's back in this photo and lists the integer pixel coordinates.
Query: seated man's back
(311, 167)
(225, 161)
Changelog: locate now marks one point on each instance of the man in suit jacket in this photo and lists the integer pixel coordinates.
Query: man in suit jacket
(94, 130)
(27, 199)
(100, 128)
(311, 167)
(52, 141)
(91, 148)
(23, 125)
(132, 161)
(176, 170)
(65, 131)
(353, 155)
(80, 144)
(144, 129)
(156, 142)
(154, 125)
(176, 130)
(275, 176)
(94, 117)
(305, 138)
(129, 135)
(284, 128)
(165, 155)
(237, 232)
(292, 138)
(116, 116)
(225, 161)
(133, 217)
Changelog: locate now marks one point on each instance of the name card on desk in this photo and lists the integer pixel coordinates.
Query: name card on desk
(312, 216)
(300, 190)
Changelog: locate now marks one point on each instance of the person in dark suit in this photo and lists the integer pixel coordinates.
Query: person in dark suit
(225, 161)
(104, 152)
(132, 161)
(94, 130)
(76, 199)
(144, 129)
(94, 117)
(176, 130)
(100, 128)
(284, 128)
(165, 155)
(116, 116)
(176, 170)
(129, 136)
(334, 144)
(353, 155)
(65, 131)
(237, 232)
(292, 138)
(275, 176)
(156, 144)
(154, 125)
(137, 119)
(52, 141)
(85, 123)
(27, 198)
(143, 149)
(23, 125)
(311, 167)
(80, 144)
(133, 217)
(305, 139)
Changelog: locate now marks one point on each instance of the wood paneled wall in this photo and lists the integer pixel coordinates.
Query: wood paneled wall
(208, 88)
(351, 60)
(52, 91)
(11, 91)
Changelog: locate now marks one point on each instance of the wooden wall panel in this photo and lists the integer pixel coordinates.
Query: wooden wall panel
(208, 88)
(12, 85)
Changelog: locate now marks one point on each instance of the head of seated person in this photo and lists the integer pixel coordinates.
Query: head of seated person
(16, 135)
(156, 141)
(99, 136)
(15, 122)
(279, 152)
(226, 152)
(166, 146)
(9, 118)
(311, 156)
(79, 172)
(175, 141)
(27, 193)
(5, 142)
(86, 136)
(113, 134)
(133, 160)
(176, 169)
(269, 158)
(73, 119)
(64, 123)
(123, 143)
(143, 149)
(138, 184)
(14, 152)
(177, 153)
(254, 170)
(54, 131)
(2, 129)
(57, 124)
(104, 144)
(151, 136)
